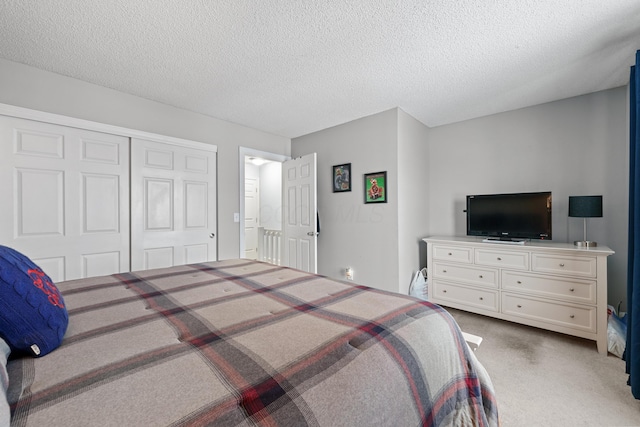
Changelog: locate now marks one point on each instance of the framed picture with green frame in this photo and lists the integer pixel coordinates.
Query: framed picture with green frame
(375, 187)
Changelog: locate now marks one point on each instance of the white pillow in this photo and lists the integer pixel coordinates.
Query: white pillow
(5, 412)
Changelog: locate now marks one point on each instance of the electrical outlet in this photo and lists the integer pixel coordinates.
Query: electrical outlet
(236, 217)
(349, 273)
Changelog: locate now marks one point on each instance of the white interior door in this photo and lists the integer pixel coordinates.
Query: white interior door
(65, 197)
(251, 208)
(173, 205)
(300, 207)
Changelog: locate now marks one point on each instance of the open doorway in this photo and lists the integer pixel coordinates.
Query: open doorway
(260, 205)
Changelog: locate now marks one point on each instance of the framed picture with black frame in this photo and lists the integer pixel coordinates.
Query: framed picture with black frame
(375, 187)
(342, 178)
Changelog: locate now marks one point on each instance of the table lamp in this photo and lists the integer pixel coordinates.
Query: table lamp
(585, 207)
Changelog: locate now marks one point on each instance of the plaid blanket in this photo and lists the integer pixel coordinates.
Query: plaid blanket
(242, 343)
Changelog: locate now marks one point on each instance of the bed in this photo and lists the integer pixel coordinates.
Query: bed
(241, 343)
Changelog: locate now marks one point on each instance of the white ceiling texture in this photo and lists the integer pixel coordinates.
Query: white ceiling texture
(292, 67)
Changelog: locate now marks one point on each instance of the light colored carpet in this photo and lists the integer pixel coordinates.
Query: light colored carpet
(543, 378)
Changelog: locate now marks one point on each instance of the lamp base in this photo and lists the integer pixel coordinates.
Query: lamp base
(585, 244)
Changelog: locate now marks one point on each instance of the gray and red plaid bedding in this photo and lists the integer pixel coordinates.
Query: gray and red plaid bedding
(244, 343)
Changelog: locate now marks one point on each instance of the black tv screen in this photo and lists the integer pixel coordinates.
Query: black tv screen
(510, 216)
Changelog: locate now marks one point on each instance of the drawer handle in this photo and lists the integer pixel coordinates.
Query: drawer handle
(444, 271)
(444, 291)
(480, 276)
(519, 282)
(561, 264)
(571, 289)
(519, 306)
(499, 259)
(572, 316)
(449, 254)
(481, 299)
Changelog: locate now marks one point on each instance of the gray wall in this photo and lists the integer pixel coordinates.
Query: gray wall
(381, 242)
(36, 89)
(577, 146)
(413, 201)
(354, 234)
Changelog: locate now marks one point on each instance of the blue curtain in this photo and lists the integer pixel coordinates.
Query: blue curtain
(632, 352)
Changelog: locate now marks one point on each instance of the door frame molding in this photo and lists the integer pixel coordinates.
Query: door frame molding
(58, 119)
(242, 153)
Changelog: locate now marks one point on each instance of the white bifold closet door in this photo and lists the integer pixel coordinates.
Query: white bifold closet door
(173, 208)
(65, 197)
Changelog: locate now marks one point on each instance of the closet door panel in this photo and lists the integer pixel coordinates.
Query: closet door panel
(31, 142)
(67, 197)
(101, 203)
(53, 266)
(173, 191)
(100, 264)
(195, 204)
(35, 189)
(158, 204)
(195, 253)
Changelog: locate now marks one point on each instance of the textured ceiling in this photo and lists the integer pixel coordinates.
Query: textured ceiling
(299, 66)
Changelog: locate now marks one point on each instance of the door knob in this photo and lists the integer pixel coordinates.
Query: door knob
(312, 233)
(212, 235)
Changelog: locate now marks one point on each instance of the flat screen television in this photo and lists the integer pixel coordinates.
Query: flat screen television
(512, 216)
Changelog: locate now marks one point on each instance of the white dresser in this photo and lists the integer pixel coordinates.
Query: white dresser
(555, 286)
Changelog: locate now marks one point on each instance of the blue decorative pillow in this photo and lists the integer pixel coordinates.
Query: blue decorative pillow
(33, 317)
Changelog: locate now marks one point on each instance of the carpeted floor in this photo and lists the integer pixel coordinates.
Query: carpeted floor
(543, 378)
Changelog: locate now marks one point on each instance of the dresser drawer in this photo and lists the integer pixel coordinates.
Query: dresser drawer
(574, 266)
(570, 316)
(474, 297)
(575, 290)
(518, 260)
(453, 253)
(467, 274)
